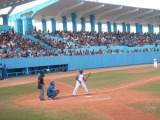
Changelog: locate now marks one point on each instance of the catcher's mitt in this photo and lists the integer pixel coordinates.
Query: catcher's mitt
(57, 91)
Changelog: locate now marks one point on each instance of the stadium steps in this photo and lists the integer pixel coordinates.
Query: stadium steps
(41, 42)
(55, 37)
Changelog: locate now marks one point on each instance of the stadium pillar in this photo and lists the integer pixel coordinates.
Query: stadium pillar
(53, 22)
(44, 28)
(128, 28)
(140, 28)
(115, 27)
(64, 21)
(27, 71)
(137, 27)
(83, 28)
(5, 19)
(109, 26)
(28, 25)
(152, 27)
(92, 21)
(74, 22)
(19, 26)
(99, 27)
(149, 28)
(123, 27)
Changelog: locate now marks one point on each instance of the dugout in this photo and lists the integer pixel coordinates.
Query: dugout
(36, 70)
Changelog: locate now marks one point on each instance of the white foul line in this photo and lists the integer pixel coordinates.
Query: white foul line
(108, 98)
(132, 84)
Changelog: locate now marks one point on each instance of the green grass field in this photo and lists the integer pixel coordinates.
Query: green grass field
(112, 78)
(151, 107)
(11, 111)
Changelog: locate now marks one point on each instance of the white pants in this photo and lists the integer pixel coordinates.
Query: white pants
(155, 65)
(77, 86)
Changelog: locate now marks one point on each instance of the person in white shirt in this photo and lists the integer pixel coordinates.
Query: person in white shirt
(80, 81)
(155, 63)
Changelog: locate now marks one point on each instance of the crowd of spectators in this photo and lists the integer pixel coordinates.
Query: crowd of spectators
(13, 45)
(108, 39)
(67, 43)
(82, 41)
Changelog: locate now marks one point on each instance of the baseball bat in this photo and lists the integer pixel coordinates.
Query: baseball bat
(88, 76)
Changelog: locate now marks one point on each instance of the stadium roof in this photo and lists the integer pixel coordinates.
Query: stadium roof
(84, 8)
(103, 12)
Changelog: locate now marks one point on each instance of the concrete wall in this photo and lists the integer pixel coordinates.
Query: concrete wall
(84, 62)
(5, 27)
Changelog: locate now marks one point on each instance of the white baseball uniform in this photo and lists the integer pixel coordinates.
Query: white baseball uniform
(80, 77)
(155, 63)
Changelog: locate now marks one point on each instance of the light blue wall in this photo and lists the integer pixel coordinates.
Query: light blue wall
(84, 62)
(5, 27)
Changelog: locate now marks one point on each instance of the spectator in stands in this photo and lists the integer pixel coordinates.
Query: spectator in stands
(23, 71)
(4, 72)
(31, 71)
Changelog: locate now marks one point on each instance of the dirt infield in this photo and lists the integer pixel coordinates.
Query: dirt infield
(110, 102)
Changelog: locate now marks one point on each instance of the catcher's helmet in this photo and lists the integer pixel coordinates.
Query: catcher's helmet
(81, 71)
(52, 83)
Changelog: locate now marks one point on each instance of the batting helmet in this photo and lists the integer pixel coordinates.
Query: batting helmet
(81, 71)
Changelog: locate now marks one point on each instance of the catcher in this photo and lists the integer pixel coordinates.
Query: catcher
(51, 92)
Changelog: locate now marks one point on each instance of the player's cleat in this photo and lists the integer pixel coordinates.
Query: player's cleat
(88, 94)
(73, 95)
(50, 98)
(42, 99)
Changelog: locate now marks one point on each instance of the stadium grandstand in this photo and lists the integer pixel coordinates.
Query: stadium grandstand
(61, 35)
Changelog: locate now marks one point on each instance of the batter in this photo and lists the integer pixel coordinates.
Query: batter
(80, 81)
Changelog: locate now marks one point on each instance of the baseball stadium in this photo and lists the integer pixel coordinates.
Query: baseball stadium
(79, 60)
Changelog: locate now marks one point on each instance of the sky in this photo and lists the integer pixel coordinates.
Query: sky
(152, 4)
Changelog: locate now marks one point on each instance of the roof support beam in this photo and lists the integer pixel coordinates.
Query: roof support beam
(107, 12)
(150, 16)
(138, 15)
(9, 12)
(67, 9)
(80, 14)
(123, 14)
(17, 4)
